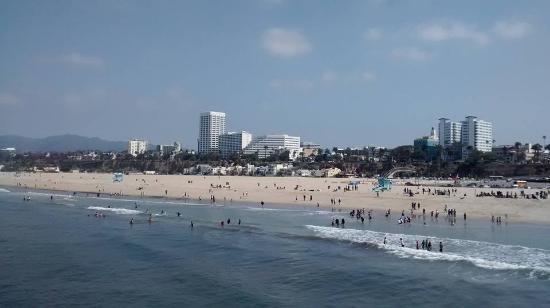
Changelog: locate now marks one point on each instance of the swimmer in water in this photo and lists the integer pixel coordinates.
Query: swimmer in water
(132, 221)
(239, 221)
(191, 224)
(179, 214)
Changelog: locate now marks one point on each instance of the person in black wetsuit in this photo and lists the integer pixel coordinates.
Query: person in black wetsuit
(440, 247)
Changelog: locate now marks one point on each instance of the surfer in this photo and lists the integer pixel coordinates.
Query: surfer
(417, 245)
(401, 241)
(132, 221)
(384, 240)
(191, 224)
(179, 214)
(239, 222)
(440, 247)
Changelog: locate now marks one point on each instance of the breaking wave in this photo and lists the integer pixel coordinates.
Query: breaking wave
(481, 254)
(115, 210)
(4, 190)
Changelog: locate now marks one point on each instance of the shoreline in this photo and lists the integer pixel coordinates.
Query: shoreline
(287, 192)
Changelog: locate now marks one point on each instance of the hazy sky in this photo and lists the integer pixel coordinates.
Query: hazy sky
(340, 73)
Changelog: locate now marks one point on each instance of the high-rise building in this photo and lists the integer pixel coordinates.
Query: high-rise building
(137, 146)
(212, 125)
(268, 145)
(234, 143)
(449, 132)
(477, 134)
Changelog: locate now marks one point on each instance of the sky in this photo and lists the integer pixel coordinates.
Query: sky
(338, 73)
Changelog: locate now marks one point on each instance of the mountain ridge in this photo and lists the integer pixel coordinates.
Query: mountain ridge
(60, 143)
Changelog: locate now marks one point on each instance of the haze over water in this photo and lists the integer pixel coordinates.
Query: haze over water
(57, 253)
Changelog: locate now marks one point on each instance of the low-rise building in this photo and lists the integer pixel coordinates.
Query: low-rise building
(233, 143)
(310, 149)
(265, 146)
(428, 145)
(169, 148)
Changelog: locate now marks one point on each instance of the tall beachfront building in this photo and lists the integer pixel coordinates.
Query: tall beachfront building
(449, 132)
(137, 146)
(212, 125)
(234, 143)
(477, 134)
(268, 145)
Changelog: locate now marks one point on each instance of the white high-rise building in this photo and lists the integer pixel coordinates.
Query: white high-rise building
(266, 146)
(234, 143)
(449, 132)
(137, 146)
(212, 125)
(477, 134)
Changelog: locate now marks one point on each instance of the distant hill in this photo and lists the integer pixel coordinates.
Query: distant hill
(63, 143)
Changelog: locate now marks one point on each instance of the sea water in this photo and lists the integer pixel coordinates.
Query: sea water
(57, 252)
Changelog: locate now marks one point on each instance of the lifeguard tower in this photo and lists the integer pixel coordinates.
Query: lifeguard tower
(383, 185)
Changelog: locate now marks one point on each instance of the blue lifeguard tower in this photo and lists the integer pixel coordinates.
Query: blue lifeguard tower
(383, 185)
(117, 177)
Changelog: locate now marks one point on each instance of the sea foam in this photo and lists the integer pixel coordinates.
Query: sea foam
(481, 254)
(4, 190)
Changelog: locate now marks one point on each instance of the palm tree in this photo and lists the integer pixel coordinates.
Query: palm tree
(537, 147)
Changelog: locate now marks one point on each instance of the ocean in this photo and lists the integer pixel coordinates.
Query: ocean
(58, 253)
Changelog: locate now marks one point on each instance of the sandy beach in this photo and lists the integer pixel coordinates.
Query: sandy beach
(289, 191)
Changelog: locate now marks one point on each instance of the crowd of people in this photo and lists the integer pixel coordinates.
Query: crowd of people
(509, 195)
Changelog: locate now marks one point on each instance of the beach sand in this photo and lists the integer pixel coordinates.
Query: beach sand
(290, 190)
